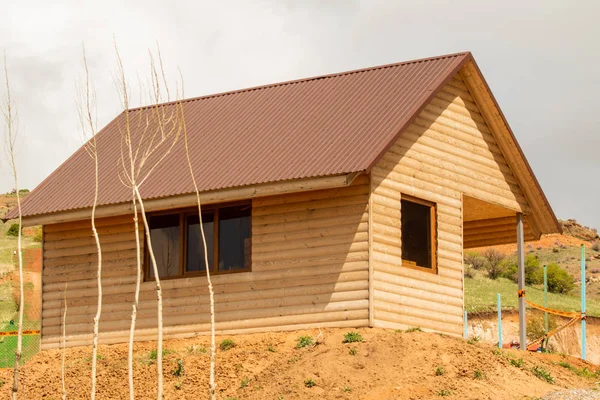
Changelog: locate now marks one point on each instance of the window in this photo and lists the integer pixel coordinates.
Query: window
(179, 249)
(418, 234)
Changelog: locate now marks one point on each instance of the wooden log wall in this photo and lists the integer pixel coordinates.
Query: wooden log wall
(309, 269)
(448, 151)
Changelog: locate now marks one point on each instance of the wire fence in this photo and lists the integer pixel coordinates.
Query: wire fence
(9, 309)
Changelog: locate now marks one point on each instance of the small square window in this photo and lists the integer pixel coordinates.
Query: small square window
(418, 225)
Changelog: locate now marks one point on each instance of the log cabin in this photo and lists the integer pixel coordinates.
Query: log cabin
(343, 200)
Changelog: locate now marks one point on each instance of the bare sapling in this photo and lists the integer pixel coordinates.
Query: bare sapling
(9, 113)
(147, 137)
(86, 107)
(64, 345)
(213, 346)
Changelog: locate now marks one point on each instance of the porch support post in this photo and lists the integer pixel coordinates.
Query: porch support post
(521, 280)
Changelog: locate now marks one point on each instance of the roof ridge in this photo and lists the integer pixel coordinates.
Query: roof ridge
(307, 79)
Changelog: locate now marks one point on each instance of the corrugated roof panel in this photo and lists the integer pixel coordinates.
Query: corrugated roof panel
(321, 126)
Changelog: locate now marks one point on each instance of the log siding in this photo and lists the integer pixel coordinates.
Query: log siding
(309, 268)
(448, 151)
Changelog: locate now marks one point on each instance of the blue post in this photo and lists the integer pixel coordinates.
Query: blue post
(583, 323)
(466, 326)
(499, 321)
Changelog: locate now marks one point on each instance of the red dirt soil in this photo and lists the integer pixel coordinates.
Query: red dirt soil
(387, 365)
(546, 241)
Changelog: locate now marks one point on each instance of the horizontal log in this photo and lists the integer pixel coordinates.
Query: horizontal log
(330, 202)
(413, 311)
(315, 251)
(415, 279)
(308, 243)
(347, 227)
(233, 316)
(350, 211)
(309, 224)
(360, 186)
(334, 260)
(201, 309)
(439, 299)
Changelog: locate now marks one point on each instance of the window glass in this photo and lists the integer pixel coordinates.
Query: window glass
(195, 246)
(234, 238)
(165, 235)
(416, 234)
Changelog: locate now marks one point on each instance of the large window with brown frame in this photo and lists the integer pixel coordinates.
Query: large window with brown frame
(419, 241)
(178, 245)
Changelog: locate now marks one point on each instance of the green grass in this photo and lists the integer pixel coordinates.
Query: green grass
(480, 296)
(8, 345)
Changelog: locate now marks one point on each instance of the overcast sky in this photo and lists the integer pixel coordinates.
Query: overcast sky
(541, 59)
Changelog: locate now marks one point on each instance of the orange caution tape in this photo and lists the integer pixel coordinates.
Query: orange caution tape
(568, 314)
(16, 333)
(554, 332)
(521, 293)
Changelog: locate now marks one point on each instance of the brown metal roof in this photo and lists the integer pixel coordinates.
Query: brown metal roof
(327, 125)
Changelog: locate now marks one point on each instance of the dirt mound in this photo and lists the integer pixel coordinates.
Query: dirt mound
(387, 365)
(571, 227)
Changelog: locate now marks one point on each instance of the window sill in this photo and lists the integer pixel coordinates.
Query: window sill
(416, 267)
(198, 274)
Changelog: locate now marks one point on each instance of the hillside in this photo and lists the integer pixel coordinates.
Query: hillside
(386, 365)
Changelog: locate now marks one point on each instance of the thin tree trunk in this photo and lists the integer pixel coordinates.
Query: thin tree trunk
(87, 123)
(213, 346)
(136, 299)
(159, 345)
(9, 118)
(99, 281)
(64, 345)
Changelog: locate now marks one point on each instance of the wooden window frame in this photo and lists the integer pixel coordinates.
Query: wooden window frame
(183, 214)
(432, 233)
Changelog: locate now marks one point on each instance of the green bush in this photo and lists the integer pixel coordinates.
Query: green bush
(534, 273)
(13, 230)
(495, 263)
(559, 280)
(475, 259)
(227, 344)
(536, 328)
(352, 337)
(304, 341)
(38, 236)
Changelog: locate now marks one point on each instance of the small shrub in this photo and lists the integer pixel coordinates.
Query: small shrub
(596, 245)
(475, 260)
(444, 393)
(271, 348)
(474, 339)
(494, 263)
(559, 280)
(414, 329)
(178, 385)
(310, 383)
(245, 382)
(13, 230)
(478, 374)
(565, 364)
(541, 373)
(439, 371)
(517, 362)
(347, 389)
(154, 353)
(293, 360)
(469, 271)
(195, 348)
(227, 344)
(304, 341)
(352, 337)
(536, 328)
(38, 237)
(352, 351)
(586, 373)
(179, 369)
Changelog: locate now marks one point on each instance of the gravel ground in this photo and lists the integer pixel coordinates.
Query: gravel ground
(574, 394)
